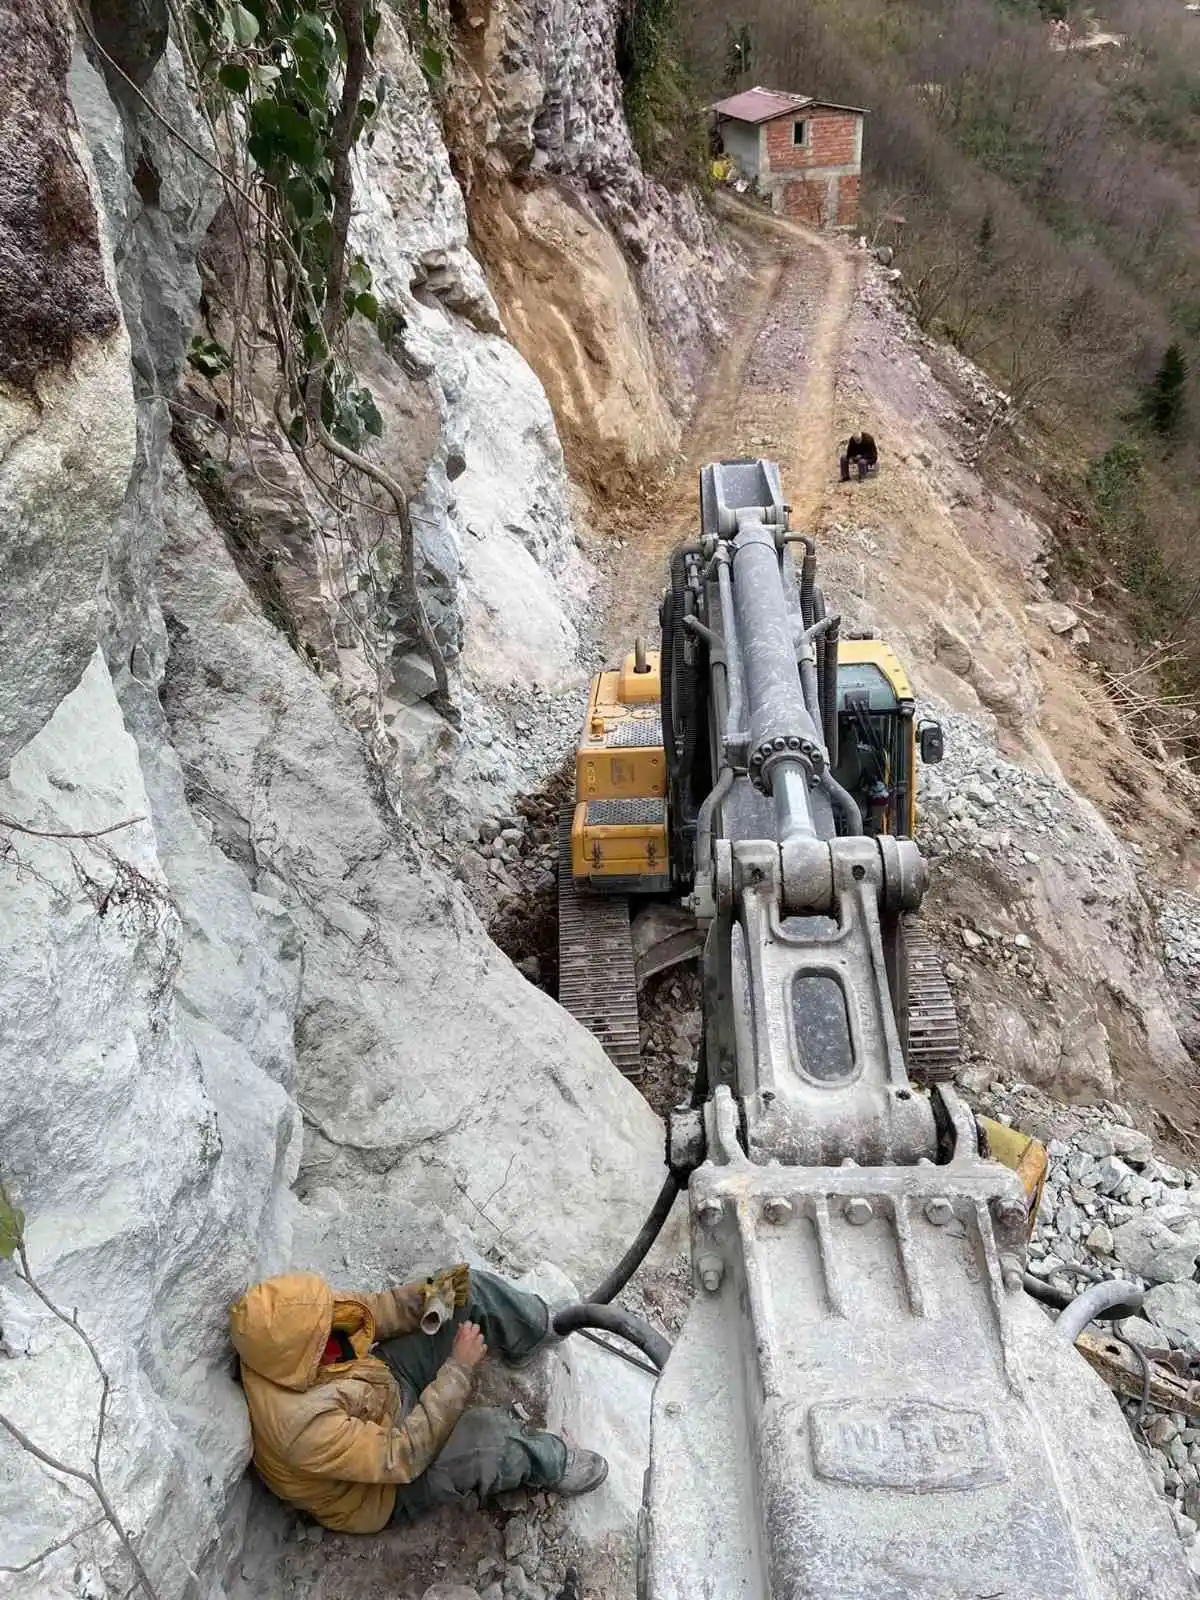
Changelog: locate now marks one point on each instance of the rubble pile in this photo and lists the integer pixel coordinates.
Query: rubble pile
(1114, 1208)
(976, 802)
(1047, 926)
(509, 870)
(669, 1007)
(1179, 935)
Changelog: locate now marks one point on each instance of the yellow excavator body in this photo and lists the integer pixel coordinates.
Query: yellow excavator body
(619, 832)
(619, 826)
(1022, 1154)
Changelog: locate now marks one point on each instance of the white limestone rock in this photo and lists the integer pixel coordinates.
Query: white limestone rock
(146, 1146)
(435, 1082)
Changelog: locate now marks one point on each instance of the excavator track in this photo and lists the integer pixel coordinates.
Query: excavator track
(596, 981)
(933, 1042)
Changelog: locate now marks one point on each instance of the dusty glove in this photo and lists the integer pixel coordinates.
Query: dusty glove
(456, 1279)
(442, 1295)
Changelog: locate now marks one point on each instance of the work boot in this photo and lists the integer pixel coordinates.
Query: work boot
(584, 1471)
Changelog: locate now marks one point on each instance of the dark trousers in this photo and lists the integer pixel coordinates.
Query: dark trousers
(865, 468)
(490, 1451)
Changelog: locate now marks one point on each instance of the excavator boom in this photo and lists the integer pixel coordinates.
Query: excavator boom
(863, 1403)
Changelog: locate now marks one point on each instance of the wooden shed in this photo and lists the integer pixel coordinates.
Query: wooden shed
(804, 154)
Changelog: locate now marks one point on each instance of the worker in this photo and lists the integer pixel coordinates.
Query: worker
(361, 1434)
(860, 452)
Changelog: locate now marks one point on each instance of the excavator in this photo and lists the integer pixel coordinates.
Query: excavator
(864, 1402)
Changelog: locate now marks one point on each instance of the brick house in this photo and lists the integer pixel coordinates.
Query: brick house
(804, 154)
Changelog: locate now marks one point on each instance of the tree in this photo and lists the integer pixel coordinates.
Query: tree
(1165, 399)
(739, 54)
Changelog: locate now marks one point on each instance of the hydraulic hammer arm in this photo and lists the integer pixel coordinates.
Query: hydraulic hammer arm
(863, 1403)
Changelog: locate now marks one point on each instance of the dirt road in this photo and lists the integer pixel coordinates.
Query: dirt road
(771, 394)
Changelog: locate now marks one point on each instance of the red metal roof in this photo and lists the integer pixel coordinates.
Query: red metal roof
(764, 105)
(760, 105)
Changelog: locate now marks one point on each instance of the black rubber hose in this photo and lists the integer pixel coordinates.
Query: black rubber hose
(808, 578)
(613, 1320)
(684, 681)
(818, 610)
(1046, 1293)
(640, 1248)
(660, 1210)
(843, 802)
(1060, 1299)
(829, 691)
(672, 670)
(666, 707)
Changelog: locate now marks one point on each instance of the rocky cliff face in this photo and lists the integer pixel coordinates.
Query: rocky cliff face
(553, 185)
(243, 1021)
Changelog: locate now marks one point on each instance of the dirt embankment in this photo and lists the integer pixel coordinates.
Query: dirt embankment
(571, 307)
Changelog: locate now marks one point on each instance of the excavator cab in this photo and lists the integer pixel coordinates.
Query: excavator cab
(878, 737)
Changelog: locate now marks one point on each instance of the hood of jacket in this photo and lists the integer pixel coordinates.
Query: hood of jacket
(280, 1327)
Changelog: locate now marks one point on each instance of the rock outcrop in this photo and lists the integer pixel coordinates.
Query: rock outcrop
(66, 410)
(552, 179)
(244, 1021)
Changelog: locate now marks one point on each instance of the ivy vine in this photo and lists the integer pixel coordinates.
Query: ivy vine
(290, 91)
(280, 65)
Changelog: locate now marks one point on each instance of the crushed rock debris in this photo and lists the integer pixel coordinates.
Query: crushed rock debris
(1115, 1208)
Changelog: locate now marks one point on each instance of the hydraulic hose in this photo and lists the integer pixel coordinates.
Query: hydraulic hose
(1038, 1289)
(1059, 1299)
(672, 613)
(819, 621)
(829, 689)
(808, 577)
(1101, 1298)
(810, 682)
(659, 1211)
(676, 680)
(843, 802)
(613, 1320)
(704, 818)
(640, 1248)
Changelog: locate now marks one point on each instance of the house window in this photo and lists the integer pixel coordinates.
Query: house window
(799, 132)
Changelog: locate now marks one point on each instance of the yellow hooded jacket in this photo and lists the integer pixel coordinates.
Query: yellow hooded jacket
(334, 1440)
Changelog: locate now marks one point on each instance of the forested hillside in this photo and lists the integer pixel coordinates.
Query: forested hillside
(1050, 199)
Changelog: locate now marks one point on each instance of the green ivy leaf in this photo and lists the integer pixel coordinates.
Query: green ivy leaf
(245, 25)
(280, 134)
(433, 63)
(359, 276)
(368, 412)
(302, 197)
(367, 305)
(208, 357)
(12, 1227)
(315, 348)
(234, 77)
(309, 25)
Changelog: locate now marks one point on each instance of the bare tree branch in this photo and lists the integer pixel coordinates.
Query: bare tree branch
(45, 833)
(59, 1544)
(94, 1478)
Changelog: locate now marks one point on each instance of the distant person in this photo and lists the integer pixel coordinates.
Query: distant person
(860, 453)
(358, 1402)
